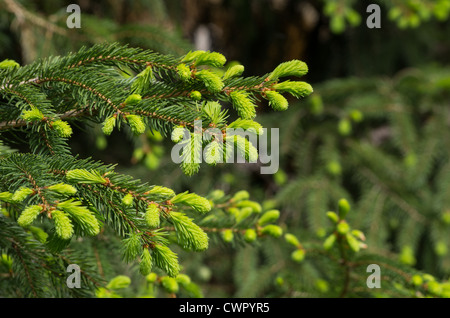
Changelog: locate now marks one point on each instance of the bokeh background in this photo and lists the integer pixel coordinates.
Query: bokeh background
(375, 131)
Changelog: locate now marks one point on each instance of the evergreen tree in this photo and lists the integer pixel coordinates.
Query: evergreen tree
(49, 196)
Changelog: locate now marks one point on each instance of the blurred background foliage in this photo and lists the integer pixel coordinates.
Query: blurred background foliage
(376, 130)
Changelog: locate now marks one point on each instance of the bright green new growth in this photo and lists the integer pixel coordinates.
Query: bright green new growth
(214, 59)
(78, 195)
(329, 242)
(190, 235)
(343, 227)
(250, 235)
(272, 230)
(178, 133)
(244, 147)
(291, 68)
(142, 80)
(127, 200)
(8, 64)
(81, 215)
(248, 125)
(84, 176)
(296, 89)
(108, 125)
(212, 81)
(119, 282)
(235, 70)
(352, 242)
(164, 192)
(192, 55)
(133, 99)
(191, 154)
(32, 115)
(131, 247)
(193, 200)
(213, 153)
(21, 194)
(298, 255)
(63, 188)
(62, 128)
(243, 104)
(63, 225)
(29, 215)
(333, 216)
(166, 259)
(136, 124)
(152, 216)
(183, 279)
(256, 207)
(145, 265)
(269, 217)
(241, 195)
(184, 72)
(170, 284)
(228, 235)
(195, 95)
(277, 101)
(243, 214)
(6, 196)
(291, 239)
(344, 208)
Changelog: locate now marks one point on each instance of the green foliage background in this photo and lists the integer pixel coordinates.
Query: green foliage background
(375, 131)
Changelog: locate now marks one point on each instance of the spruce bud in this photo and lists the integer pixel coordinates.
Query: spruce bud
(170, 284)
(228, 235)
(133, 99)
(195, 95)
(250, 235)
(184, 72)
(212, 81)
(296, 89)
(214, 59)
(333, 216)
(62, 128)
(292, 239)
(272, 230)
(21, 194)
(352, 242)
(84, 176)
(240, 195)
(145, 265)
(9, 64)
(344, 208)
(63, 188)
(152, 216)
(136, 124)
(233, 71)
(243, 104)
(298, 255)
(63, 225)
(127, 199)
(277, 101)
(32, 115)
(342, 227)
(29, 215)
(269, 217)
(108, 125)
(290, 68)
(329, 241)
